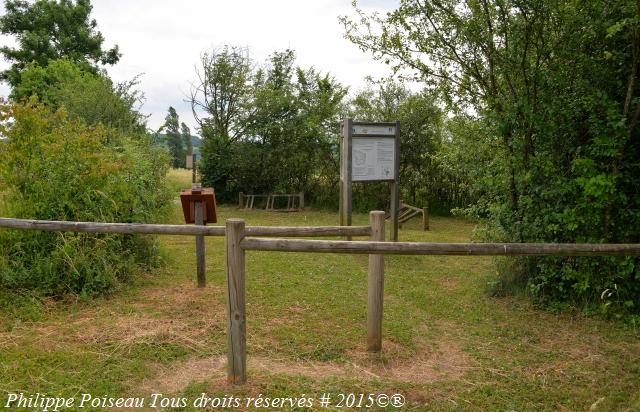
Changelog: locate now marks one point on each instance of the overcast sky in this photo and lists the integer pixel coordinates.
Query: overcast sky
(162, 40)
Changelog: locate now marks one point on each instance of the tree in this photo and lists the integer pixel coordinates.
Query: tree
(422, 180)
(185, 132)
(174, 138)
(48, 30)
(554, 86)
(292, 128)
(269, 128)
(221, 91)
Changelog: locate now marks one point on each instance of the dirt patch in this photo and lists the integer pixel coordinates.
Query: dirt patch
(449, 283)
(181, 313)
(429, 362)
(447, 361)
(175, 378)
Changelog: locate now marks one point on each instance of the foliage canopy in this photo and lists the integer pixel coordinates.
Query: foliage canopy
(553, 86)
(50, 30)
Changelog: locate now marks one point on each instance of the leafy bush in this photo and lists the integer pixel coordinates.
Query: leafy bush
(551, 144)
(54, 167)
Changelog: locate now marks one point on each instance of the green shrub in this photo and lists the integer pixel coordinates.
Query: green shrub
(53, 167)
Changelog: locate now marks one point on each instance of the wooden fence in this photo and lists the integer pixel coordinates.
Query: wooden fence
(197, 231)
(240, 238)
(184, 230)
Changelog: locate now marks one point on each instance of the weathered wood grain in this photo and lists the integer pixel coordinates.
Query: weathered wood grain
(185, 230)
(459, 249)
(375, 290)
(236, 318)
(200, 263)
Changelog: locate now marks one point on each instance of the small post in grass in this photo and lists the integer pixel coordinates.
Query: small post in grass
(425, 217)
(198, 209)
(375, 286)
(193, 168)
(236, 321)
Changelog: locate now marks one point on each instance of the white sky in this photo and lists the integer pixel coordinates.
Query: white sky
(163, 40)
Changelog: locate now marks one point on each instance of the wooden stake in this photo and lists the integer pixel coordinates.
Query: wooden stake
(395, 206)
(199, 221)
(375, 286)
(236, 320)
(425, 218)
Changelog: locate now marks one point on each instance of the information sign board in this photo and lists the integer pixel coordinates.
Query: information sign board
(369, 152)
(373, 158)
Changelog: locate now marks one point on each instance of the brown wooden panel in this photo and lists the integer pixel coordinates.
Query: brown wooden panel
(188, 197)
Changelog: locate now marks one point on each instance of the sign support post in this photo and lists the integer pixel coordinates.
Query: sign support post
(199, 220)
(193, 162)
(345, 174)
(395, 189)
(369, 152)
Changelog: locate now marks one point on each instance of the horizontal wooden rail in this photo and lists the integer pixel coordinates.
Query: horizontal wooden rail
(187, 230)
(460, 249)
(309, 231)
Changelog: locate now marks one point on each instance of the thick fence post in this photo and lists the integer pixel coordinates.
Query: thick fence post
(199, 220)
(375, 286)
(236, 321)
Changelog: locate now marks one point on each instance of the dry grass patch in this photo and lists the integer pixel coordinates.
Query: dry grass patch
(432, 361)
(181, 314)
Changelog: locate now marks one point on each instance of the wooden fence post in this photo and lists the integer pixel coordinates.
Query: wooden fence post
(241, 200)
(301, 202)
(236, 321)
(425, 217)
(200, 262)
(375, 286)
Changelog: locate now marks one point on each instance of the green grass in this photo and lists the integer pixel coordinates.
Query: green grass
(447, 345)
(179, 179)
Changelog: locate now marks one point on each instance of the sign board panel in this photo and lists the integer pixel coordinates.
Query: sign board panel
(373, 130)
(373, 158)
(189, 161)
(205, 195)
